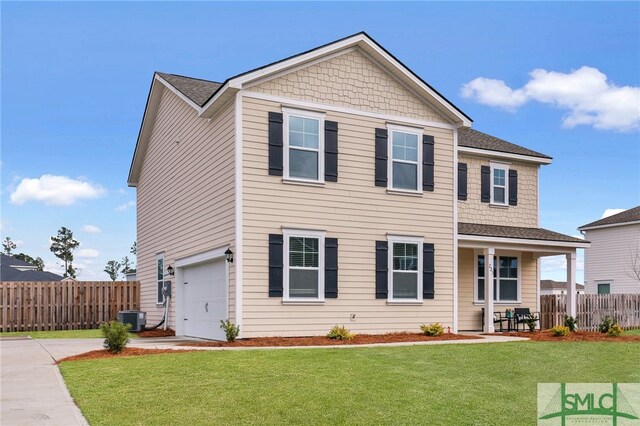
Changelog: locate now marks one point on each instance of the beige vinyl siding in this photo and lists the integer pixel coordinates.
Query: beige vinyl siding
(608, 260)
(524, 214)
(351, 80)
(469, 314)
(353, 210)
(186, 194)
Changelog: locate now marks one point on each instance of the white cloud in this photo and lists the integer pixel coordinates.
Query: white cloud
(91, 229)
(55, 190)
(87, 253)
(126, 206)
(18, 243)
(611, 212)
(555, 267)
(586, 93)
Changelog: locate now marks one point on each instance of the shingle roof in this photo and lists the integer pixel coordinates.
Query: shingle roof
(198, 90)
(500, 231)
(631, 215)
(474, 139)
(8, 272)
(557, 285)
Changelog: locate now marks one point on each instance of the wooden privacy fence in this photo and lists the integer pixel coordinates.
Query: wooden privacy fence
(591, 310)
(64, 305)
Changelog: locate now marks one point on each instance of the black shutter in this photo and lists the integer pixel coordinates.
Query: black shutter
(331, 268)
(331, 151)
(485, 184)
(428, 271)
(513, 187)
(381, 157)
(276, 265)
(427, 162)
(275, 143)
(462, 181)
(382, 269)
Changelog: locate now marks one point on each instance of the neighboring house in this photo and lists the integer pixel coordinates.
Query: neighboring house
(612, 263)
(131, 275)
(548, 287)
(12, 269)
(344, 190)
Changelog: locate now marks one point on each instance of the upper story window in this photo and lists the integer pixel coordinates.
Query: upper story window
(303, 145)
(304, 265)
(499, 183)
(406, 150)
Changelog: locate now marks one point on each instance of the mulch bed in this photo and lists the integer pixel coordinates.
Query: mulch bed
(577, 336)
(360, 339)
(156, 333)
(126, 352)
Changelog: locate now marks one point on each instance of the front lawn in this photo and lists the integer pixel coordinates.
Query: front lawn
(633, 332)
(438, 384)
(59, 334)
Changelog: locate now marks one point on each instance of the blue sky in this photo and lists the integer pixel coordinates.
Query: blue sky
(75, 77)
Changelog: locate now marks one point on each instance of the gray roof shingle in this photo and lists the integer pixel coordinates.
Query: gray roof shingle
(500, 231)
(631, 215)
(198, 90)
(474, 139)
(557, 285)
(9, 272)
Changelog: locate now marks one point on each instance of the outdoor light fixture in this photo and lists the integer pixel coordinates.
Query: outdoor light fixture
(229, 255)
(170, 271)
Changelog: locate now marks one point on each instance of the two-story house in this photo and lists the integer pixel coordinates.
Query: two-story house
(332, 187)
(612, 262)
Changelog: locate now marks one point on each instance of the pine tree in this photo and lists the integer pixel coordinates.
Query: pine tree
(62, 246)
(8, 245)
(112, 269)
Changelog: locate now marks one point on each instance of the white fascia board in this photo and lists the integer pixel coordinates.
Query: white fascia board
(610, 225)
(520, 241)
(505, 155)
(178, 93)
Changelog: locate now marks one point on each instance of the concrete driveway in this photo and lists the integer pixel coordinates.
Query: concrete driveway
(32, 391)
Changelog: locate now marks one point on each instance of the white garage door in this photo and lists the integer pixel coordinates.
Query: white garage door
(205, 299)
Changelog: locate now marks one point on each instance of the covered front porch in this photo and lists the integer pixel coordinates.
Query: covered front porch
(510, 258)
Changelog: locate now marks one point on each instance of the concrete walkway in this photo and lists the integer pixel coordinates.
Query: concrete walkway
(33, 392)
(32, 389)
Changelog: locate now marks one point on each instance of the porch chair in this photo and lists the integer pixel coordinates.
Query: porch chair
(497, 319)
(521, 315)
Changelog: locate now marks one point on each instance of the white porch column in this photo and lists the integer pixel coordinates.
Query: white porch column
(489, 254)
(571, 283)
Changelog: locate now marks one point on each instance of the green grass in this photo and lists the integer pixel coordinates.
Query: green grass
(60, 334)
(438, 384)
(634, 332)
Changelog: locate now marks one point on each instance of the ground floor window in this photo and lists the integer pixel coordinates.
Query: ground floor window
(304, 264)
(505, 279)
(160, 277)
(405, 276)
(604, 288)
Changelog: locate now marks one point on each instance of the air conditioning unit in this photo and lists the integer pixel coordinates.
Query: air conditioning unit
(137, 319)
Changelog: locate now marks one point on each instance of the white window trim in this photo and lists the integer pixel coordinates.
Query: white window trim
(505, 167)
(320, 235)
(287, 112)
(477, 301)
(391, 239)
(403, 129)
(159, 256)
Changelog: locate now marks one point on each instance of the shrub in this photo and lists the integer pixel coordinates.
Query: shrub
(606, 324)
(570, 322)
(116, 335)
(230, 330)
(614, 331)
(560, 330)
(340, 333)
(531, 322)
(432, 329)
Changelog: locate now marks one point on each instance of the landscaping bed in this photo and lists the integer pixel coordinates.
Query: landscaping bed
(156, 333)
(360, 339)
(105, 353)
(576, 336)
